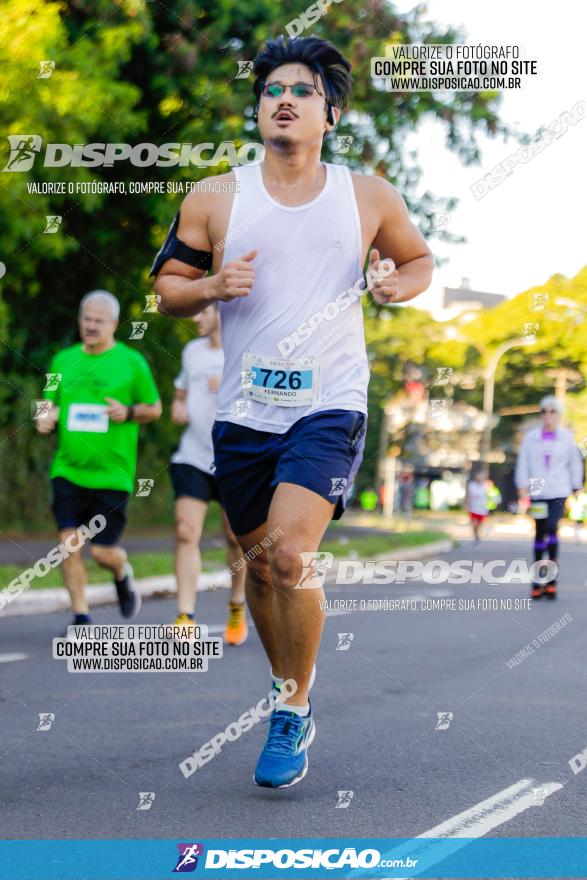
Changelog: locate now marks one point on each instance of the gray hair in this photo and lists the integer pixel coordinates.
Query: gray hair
(550, 402)
(104, 298)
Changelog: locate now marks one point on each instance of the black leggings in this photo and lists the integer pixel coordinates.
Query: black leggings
(546, 538)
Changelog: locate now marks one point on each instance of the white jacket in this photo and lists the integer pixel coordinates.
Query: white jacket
(564, 473)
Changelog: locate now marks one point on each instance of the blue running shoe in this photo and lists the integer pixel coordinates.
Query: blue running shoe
(284, 759)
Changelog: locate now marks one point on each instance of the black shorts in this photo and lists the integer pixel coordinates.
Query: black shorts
(321, 452)
(190, 481)
(75, 505)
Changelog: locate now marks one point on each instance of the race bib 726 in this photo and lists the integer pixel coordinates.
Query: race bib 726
(281, 381)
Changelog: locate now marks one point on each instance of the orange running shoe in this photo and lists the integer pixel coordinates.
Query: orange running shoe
(537, 591)
(550, 590)
(236, 627)
(187, 626)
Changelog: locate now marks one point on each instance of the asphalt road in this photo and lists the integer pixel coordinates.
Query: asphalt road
(375, 705)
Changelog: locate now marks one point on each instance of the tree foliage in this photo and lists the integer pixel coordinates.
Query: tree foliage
(132, 71)
(524, 373)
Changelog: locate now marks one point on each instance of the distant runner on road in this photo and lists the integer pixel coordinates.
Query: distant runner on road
(477, 501)
(549, 469)
(192, 475)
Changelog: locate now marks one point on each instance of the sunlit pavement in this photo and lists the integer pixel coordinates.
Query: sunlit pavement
(456, 523)
(420, 717)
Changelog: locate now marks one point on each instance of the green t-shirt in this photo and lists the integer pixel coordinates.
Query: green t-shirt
(93, 451)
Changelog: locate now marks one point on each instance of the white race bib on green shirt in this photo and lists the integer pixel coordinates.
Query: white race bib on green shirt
(87, 417)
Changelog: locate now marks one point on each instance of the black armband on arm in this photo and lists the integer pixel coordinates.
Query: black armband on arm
(174, 249)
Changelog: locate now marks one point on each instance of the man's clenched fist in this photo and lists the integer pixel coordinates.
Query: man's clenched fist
(47, 422)
(383, 279)
(235, 279)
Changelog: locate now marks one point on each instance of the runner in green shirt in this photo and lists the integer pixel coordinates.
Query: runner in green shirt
(98, 393)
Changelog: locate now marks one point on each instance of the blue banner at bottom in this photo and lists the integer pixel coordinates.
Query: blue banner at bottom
(287, 858)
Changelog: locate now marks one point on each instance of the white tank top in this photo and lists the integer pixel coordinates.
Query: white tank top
(308, 256)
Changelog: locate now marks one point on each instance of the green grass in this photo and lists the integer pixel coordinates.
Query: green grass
(153, 564)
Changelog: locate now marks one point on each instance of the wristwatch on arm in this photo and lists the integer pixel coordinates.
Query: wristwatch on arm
(130, 413)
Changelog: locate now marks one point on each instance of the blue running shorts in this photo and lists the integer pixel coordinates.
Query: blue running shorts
(321, 452)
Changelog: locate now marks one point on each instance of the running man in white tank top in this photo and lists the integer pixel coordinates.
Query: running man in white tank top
(289, 245)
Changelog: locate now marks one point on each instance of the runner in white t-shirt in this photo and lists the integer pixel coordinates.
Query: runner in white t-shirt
(477, 501)
(191, 472)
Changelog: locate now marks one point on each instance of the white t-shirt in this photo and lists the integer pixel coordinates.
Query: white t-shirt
(199, 363)
(477, 498)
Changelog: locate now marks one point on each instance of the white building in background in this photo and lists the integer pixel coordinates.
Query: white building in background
(457, 300)
(444, 303)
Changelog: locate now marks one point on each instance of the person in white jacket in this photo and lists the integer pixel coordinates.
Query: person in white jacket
(548, 470)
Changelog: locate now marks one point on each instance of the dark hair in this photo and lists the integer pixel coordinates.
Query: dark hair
(323, 59)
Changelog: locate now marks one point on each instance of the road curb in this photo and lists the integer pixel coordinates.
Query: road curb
(57, 599)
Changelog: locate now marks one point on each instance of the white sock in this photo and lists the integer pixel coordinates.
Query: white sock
(280, 681)
(302, 711)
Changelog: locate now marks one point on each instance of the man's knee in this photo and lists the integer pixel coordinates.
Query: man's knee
(186, 532)
(285, 565)
(233, 544)
(259, 572)
(100, 553)
(70, 539)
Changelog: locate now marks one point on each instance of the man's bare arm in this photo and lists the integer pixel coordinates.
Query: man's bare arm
(398, 238)
(141, 412)
(146, 412)
(179, 410)
(185, 290)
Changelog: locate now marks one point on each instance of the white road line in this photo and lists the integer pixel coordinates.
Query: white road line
(487, 815)
(12, 658)
(477, 821)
